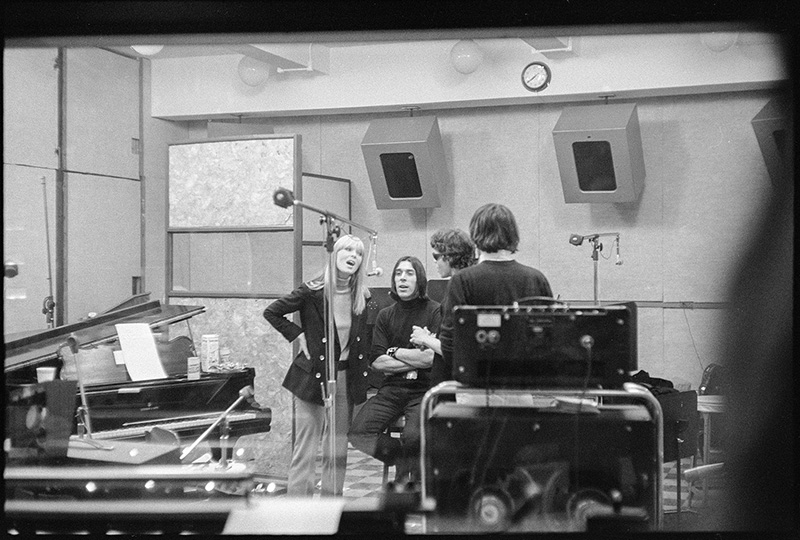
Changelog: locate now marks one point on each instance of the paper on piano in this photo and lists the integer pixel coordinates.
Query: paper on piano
(139, 348)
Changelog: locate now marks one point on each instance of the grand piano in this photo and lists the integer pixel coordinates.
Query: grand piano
(120, 409)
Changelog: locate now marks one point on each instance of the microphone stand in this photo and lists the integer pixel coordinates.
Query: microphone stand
(285, 198)
(84, 418)
(244, 393)
(597, 247)
(48, 307)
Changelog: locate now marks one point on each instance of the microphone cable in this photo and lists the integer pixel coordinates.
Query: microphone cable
(587, 342)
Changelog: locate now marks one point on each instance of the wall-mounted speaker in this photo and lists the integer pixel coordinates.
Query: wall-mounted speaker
(773, 129)
(599, 153)
(405, 162)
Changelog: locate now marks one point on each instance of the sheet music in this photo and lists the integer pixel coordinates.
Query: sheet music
(139, 348)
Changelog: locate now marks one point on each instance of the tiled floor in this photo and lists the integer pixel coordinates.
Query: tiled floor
(364, 478)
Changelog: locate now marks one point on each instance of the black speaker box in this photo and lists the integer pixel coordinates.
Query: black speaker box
(405, 162)
(517, 469)
(599, 153)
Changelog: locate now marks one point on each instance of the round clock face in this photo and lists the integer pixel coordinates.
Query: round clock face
(536, 76)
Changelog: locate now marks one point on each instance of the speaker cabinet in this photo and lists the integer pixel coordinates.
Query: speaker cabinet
(773, 129)
(545, 347)
(516, 469)
(405, 162)
(599, 153)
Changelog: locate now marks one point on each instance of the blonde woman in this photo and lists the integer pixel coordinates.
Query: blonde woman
(308, 369)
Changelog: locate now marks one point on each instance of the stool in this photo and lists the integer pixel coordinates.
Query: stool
(394, 429)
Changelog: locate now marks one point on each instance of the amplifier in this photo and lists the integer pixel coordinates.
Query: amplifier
(518, 469)
(544, 346)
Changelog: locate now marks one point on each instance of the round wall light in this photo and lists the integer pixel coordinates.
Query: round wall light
(466, 56)
(253, 72)
(147, 50)
(719, 41)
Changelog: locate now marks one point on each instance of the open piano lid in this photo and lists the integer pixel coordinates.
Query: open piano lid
(34, 349)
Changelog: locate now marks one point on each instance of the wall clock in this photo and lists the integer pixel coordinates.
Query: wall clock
(536, 76)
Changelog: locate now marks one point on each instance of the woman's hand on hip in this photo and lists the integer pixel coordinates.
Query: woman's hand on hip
(301, 343)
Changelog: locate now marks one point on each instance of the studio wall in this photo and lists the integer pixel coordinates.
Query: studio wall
(706, 182)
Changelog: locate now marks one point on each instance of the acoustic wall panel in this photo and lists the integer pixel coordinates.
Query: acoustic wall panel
(405, 162)
(599, 153)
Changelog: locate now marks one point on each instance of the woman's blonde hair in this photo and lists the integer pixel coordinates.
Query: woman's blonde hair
(359, 292)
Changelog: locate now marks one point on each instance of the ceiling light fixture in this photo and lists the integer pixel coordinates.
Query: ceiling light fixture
(147, 50)
(466, 56)
(719, 41)
(253, 72)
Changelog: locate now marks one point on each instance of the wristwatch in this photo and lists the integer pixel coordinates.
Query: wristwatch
(392, 351)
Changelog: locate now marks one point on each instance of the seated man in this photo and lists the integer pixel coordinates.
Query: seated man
(406, 369)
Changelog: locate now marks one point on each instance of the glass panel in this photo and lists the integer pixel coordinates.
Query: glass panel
(314, 260)
(233, 262)
(209, 179)
(325, 194)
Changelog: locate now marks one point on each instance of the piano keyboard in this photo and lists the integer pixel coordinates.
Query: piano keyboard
(177, 425)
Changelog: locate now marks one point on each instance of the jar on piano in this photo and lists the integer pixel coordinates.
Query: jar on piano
(209, 352)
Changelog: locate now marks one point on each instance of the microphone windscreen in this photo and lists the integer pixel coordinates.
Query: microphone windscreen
(576, 239)
(247, 392)
(283, 197)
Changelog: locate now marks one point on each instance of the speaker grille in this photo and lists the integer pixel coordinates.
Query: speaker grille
(402, 179)
(405, 162)
(595, 165)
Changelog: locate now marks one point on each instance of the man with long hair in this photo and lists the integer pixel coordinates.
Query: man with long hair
(497, 279)
(407, 371)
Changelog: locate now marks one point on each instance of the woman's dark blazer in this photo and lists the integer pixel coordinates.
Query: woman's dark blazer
(305, 374)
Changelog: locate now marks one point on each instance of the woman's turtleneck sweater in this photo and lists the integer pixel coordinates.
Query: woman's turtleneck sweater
(343, 317)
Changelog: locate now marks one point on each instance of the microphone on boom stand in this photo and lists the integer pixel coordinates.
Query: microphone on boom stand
(245, 393)
(283, 197)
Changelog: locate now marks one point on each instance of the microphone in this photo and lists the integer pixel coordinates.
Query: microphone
(11, 269)
(376, 270)
(248, 393)
(283, 197)
(72, 343)
(619, 262)
(245, 393)
(575, 239)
